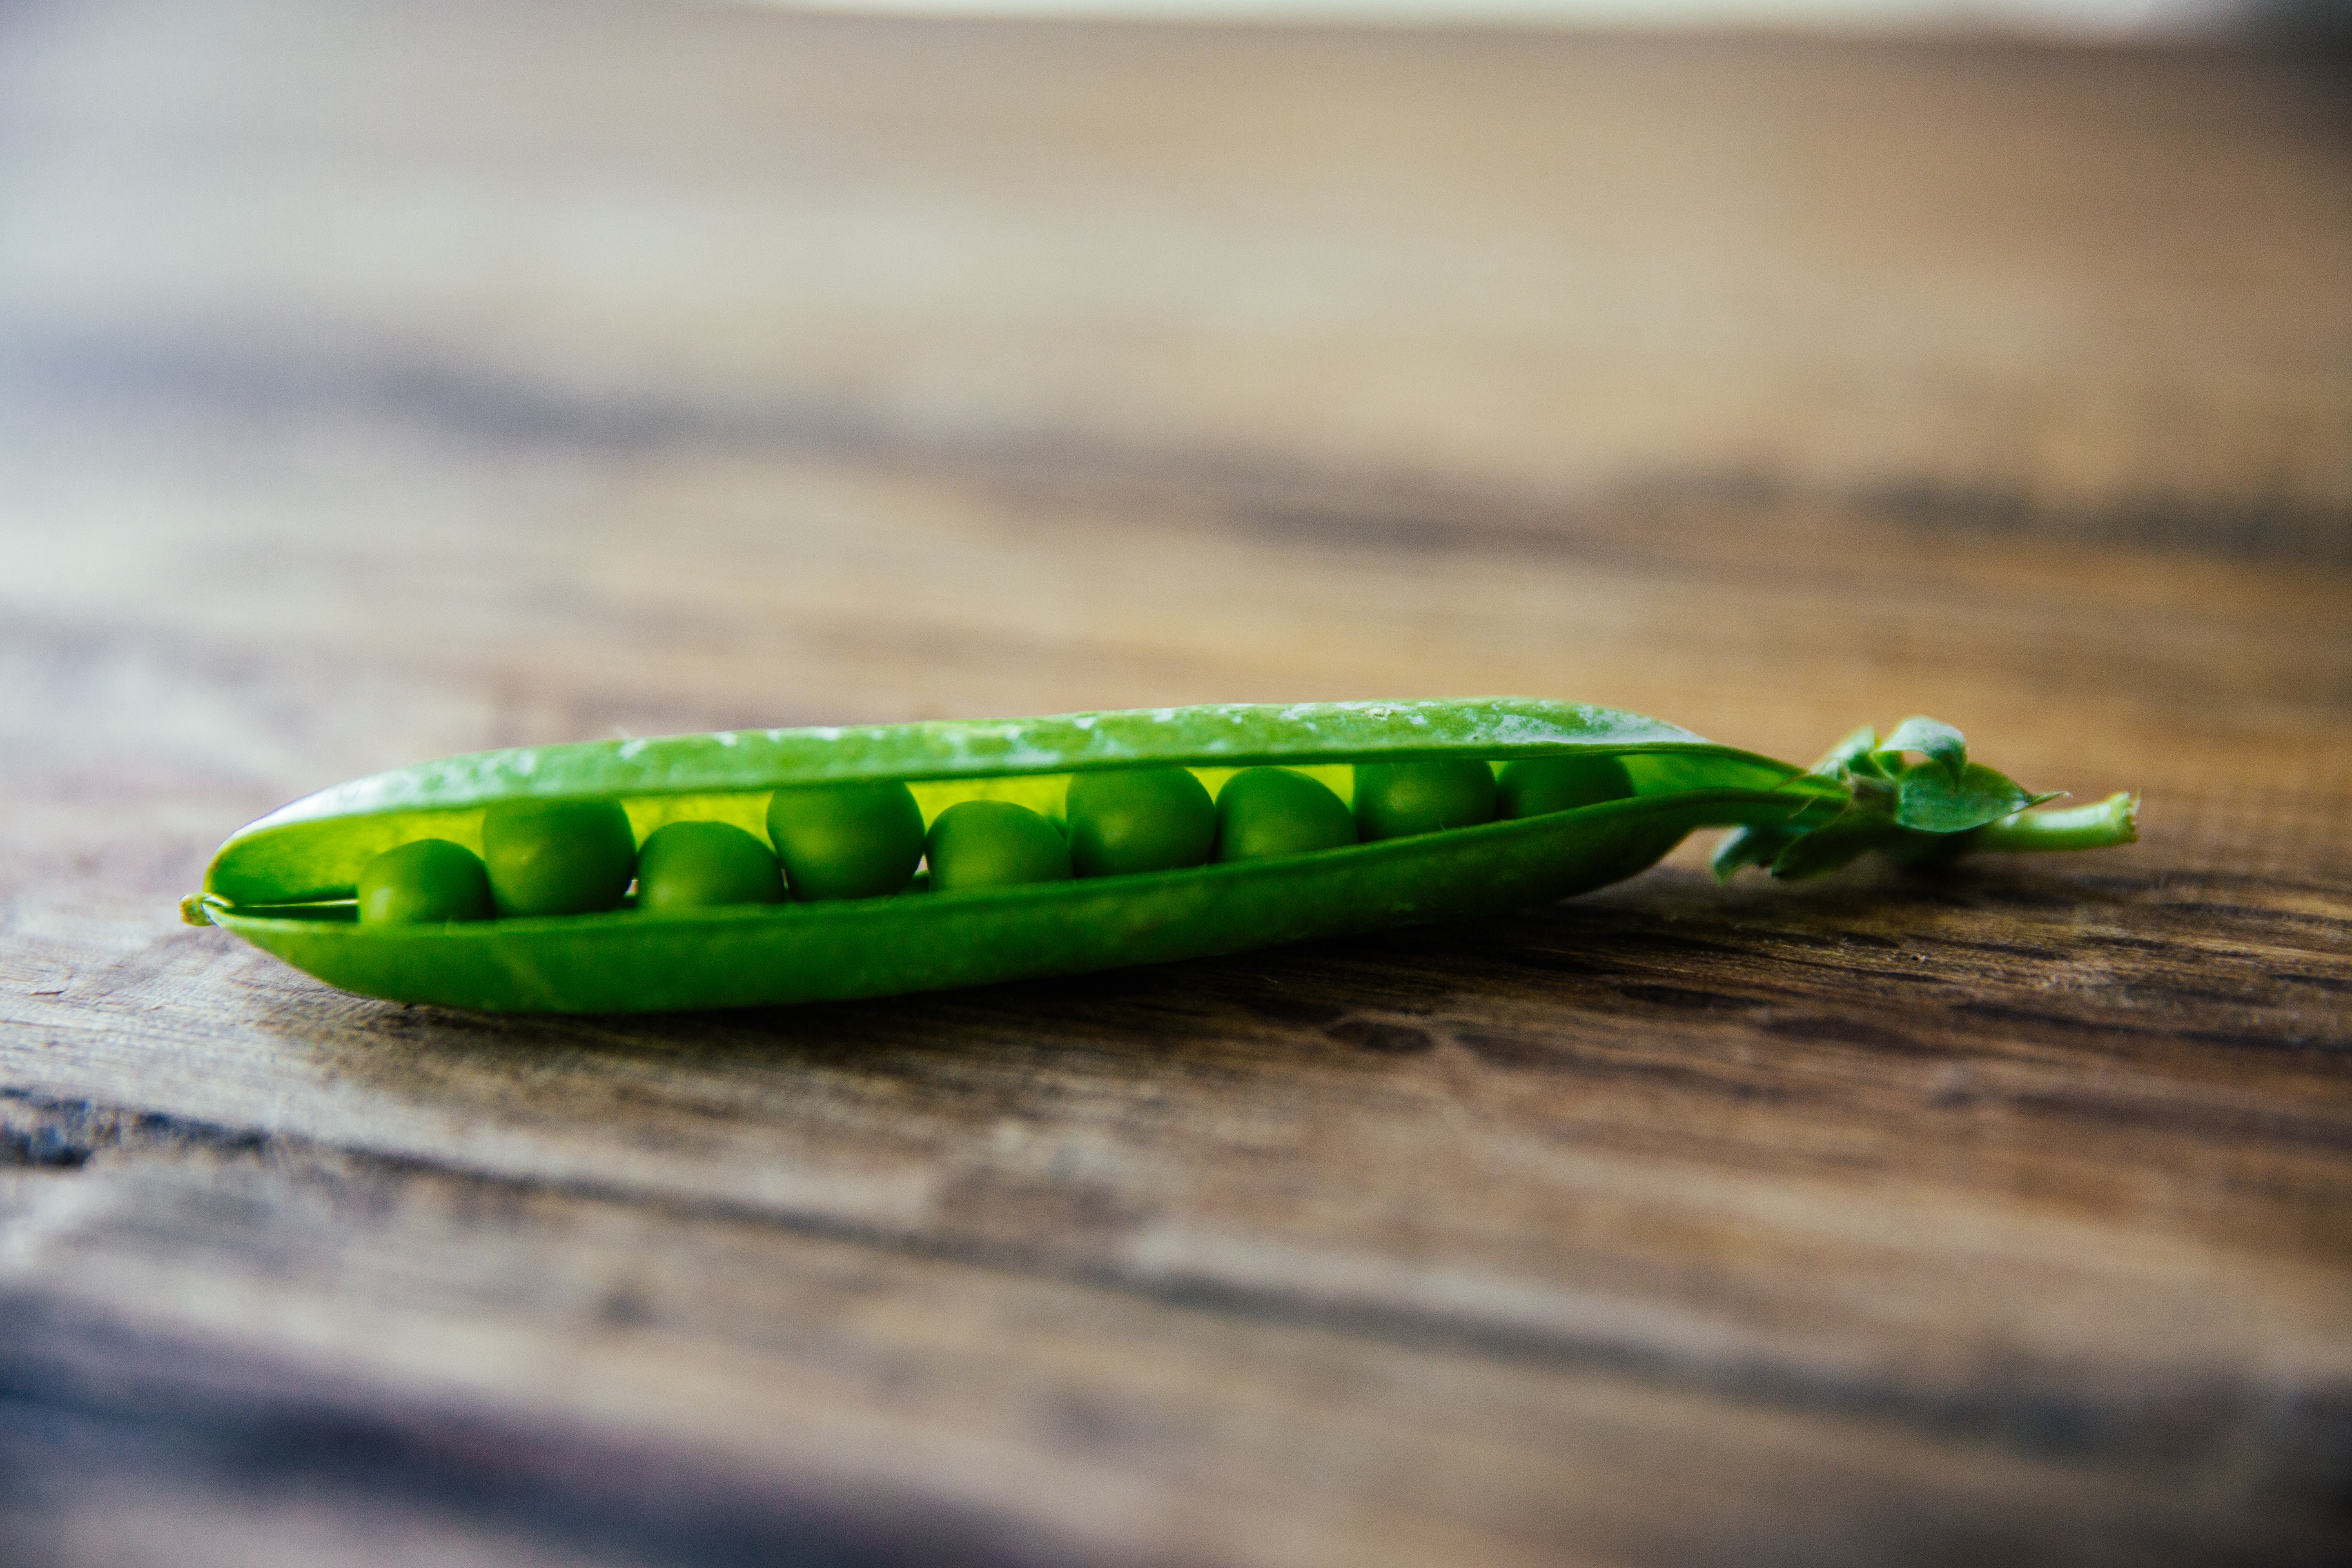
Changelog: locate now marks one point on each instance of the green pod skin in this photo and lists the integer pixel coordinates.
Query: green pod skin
(1533, 786)
(558, 858)
(1266, 813)
(1138, 819)
(856, 840)
(1396, 800)
(423, 882)
(287, 882)
(993, 844)
(690, 866)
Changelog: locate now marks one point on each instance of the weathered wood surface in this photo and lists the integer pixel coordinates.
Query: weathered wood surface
(374, 387)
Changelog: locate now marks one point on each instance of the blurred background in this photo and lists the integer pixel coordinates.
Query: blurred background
(2053, 18)
(382, 382)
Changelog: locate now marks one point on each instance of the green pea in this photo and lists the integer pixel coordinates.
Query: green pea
(558, 857)
(1397, 800)
(992, 844)
(846, 840)
(425, 881)
(1536, 787)
(1139, 819)
(694, 865)
(1266, 812)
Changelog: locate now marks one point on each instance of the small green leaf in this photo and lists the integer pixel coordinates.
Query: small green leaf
(1871, 791)
(1929, 800)
(1939, 741)
(1873, 766)
(1819, 810)
(1744, 846)
(1846, 752)
(1825, 850)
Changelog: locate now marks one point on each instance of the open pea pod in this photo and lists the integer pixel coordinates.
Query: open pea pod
(286, 882)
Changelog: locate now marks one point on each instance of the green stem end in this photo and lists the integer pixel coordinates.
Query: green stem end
(2101, 825)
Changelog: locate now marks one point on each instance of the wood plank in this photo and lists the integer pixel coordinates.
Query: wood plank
(909, 1395)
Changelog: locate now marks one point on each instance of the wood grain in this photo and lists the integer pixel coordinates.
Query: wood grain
(373, 388)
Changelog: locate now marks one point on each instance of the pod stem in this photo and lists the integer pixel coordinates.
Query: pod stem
(1917, 798)
(2101, 825)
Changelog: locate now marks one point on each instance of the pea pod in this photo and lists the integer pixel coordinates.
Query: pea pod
(287, 882)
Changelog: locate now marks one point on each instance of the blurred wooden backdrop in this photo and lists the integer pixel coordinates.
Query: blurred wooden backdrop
(377, 382)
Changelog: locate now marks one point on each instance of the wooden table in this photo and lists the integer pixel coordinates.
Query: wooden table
(378, 384)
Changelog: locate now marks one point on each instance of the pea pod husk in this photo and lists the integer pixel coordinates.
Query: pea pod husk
(282, 882)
